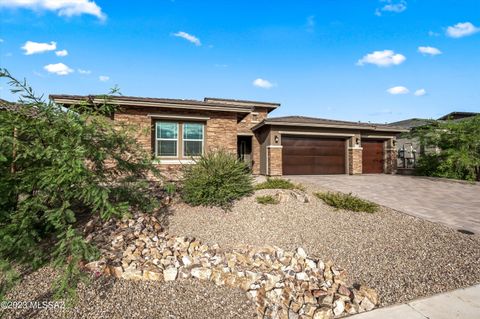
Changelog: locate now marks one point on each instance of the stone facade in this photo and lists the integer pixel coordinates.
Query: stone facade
(355, 160)
(391, 157)
(274, 166)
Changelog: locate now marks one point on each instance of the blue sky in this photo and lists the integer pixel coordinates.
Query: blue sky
(351, 60)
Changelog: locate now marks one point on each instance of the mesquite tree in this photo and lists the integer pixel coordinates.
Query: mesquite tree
(58, 165)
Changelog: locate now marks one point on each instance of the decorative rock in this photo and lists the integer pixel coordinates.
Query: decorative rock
(201, 273)
(323, 313)
(301, 252)
(170, 274)
(283, 284)
(366, 305)
(338, 307)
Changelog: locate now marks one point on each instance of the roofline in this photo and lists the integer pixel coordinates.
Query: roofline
(345, 126)
(167, 103)
(272, 105)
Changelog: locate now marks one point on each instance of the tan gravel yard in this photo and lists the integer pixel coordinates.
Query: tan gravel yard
(401, 256)
(118, 299)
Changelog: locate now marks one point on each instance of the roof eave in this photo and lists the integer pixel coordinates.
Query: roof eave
(185, 105)
(356, 127)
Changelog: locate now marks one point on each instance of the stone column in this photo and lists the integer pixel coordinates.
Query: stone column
(355, 160)
(274, 156)
(390, 157)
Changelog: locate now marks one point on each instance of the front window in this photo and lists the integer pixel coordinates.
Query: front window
(169, 136)
(167, 139)
(192, 139)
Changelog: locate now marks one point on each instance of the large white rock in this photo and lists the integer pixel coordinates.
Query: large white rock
(170, 274)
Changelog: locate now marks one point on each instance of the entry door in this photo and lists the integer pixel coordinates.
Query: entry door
(372, 156)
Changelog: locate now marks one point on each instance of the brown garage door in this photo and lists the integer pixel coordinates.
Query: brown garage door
(372, 157)
(310, 156)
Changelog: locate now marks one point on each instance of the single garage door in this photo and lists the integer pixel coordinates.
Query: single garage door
(372, 157)
(312, 155)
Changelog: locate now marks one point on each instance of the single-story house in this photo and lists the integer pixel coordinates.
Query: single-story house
(176, 131)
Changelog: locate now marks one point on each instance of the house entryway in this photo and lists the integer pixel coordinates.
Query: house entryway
(244, 149)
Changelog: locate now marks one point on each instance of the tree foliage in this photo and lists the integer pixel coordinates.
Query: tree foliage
(57, 165)
(458, 144)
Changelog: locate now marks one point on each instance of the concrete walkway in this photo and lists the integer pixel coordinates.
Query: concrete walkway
(451, 203)
(461, 304)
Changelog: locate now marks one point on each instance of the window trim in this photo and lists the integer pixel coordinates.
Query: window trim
(193, 140)
(167, 139)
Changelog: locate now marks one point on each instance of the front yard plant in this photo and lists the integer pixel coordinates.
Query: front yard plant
(216, 179)
(266, 199)
(347, 202)
(56, 167)
(277, 183)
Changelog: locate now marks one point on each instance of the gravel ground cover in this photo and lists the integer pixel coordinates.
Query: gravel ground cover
(109, 298)
(400, 256)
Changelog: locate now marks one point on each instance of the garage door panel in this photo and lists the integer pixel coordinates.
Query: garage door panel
(372, 157)
(307, 155)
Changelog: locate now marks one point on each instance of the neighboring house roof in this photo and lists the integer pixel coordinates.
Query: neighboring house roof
(320, 122)
(410, 123)
(152, 102)
(457, 115)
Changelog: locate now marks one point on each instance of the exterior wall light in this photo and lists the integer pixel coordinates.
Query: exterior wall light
(276, 139)
(357, 141)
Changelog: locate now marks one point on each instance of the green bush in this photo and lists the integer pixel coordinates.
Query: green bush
(216, 179)
(347, 202)
(267, 199)
(56, 167)
(277, 183)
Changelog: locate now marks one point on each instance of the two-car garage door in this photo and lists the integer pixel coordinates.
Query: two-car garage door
(313, 155)
(319, 155)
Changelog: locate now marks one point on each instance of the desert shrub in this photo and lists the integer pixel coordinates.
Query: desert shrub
(58, 165)
(347, 202)
(170, 189)
(266, 199)
(277, 183)
(216, 179)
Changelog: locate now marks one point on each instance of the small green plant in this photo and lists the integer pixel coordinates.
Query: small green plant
(217, 179)
(267, 199)
(170, 189)
(347, 202)
(278, 183)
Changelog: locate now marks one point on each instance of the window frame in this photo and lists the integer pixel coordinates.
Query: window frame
(193, 140)
(180, 149)
(157, 139)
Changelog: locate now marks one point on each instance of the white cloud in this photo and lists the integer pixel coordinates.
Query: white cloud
(1, 40)
(462, 30)
(104, 78)
(392, 6)
(81, 71)
(420, 92)
(262, 83)
(433, 34)
(191, 38)
(398, 90)
(61, 52)
(429, 50)
(382, 58)
(58, 69)
(31, 47)
(65, 8)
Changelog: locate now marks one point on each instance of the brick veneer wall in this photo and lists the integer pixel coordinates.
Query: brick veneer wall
(355, 160)
(274, 154)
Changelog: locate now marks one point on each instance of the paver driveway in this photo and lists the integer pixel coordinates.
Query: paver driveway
(450, 203)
